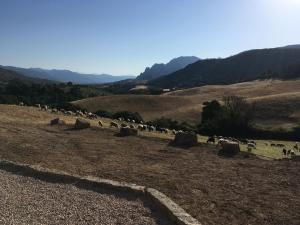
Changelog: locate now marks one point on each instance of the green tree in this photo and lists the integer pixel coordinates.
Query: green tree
(233, 118)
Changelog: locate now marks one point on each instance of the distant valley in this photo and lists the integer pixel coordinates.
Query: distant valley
(67, 76)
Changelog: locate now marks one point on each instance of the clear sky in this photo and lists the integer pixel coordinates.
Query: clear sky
(125, 36)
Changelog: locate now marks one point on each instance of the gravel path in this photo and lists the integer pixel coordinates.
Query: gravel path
(25, 200)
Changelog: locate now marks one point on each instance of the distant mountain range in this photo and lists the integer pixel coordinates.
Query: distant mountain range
(281, 63)
(159, 70)
(66, 75)
(9, 75)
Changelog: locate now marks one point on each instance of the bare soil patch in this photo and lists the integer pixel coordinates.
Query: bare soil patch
(213, 189)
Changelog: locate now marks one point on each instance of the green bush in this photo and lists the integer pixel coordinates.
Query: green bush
(234, 118)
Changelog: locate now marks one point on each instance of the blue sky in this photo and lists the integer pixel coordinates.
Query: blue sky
(125, 36)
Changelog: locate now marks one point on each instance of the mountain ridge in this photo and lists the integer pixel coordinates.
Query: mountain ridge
(9, 75)
(280, 63)
(67, 75)
(161, 69)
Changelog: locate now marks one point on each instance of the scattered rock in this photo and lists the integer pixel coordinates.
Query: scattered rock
(82, 124)
(296, 158)
(185, 139)
(57, 121)
(229, 149)
(127, 131)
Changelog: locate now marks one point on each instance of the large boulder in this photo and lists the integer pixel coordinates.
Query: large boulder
(296, 158)
(128, 131)
(57, 121)
(229, 149)
(82, 124)
(185, 139)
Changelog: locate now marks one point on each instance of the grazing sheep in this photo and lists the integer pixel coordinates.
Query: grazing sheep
(63, 111)
(252, 142)
(151, 128)
(141, 127)
(113, 124)
(284, 151)
(124, 125)
(79, 113)
(292, 153)
(44, 107)
(251, 145)
(132, 126)
(54, 110)
(244, 141)
(100, 123)
(69, 113)
(211, 140)
(222, 140)
(91, 116)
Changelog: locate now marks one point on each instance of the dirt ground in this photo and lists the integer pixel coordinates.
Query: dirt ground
(212, 189)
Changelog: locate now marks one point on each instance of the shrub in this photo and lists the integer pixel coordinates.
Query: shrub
(171, 124)
(104, 113)
(129, 115)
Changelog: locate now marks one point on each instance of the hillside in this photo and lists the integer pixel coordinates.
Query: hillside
(149, 106)
(196, 178)
(159, 70)
(9, 75)
(66, 75)
(283, 63)
(278, 102)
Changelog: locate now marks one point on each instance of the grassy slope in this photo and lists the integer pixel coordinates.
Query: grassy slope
(214, 190)
(279, 100)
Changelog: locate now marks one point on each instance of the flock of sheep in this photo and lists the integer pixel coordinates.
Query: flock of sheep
(130, 127)
(119, 123)
(251, 144)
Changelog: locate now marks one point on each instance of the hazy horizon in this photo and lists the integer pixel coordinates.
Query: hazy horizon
(123, 38)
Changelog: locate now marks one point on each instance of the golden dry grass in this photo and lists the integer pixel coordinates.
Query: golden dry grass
(278, 101)
(215, 190)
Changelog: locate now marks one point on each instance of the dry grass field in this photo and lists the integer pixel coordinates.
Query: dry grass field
(213, 189)
(278, 102)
